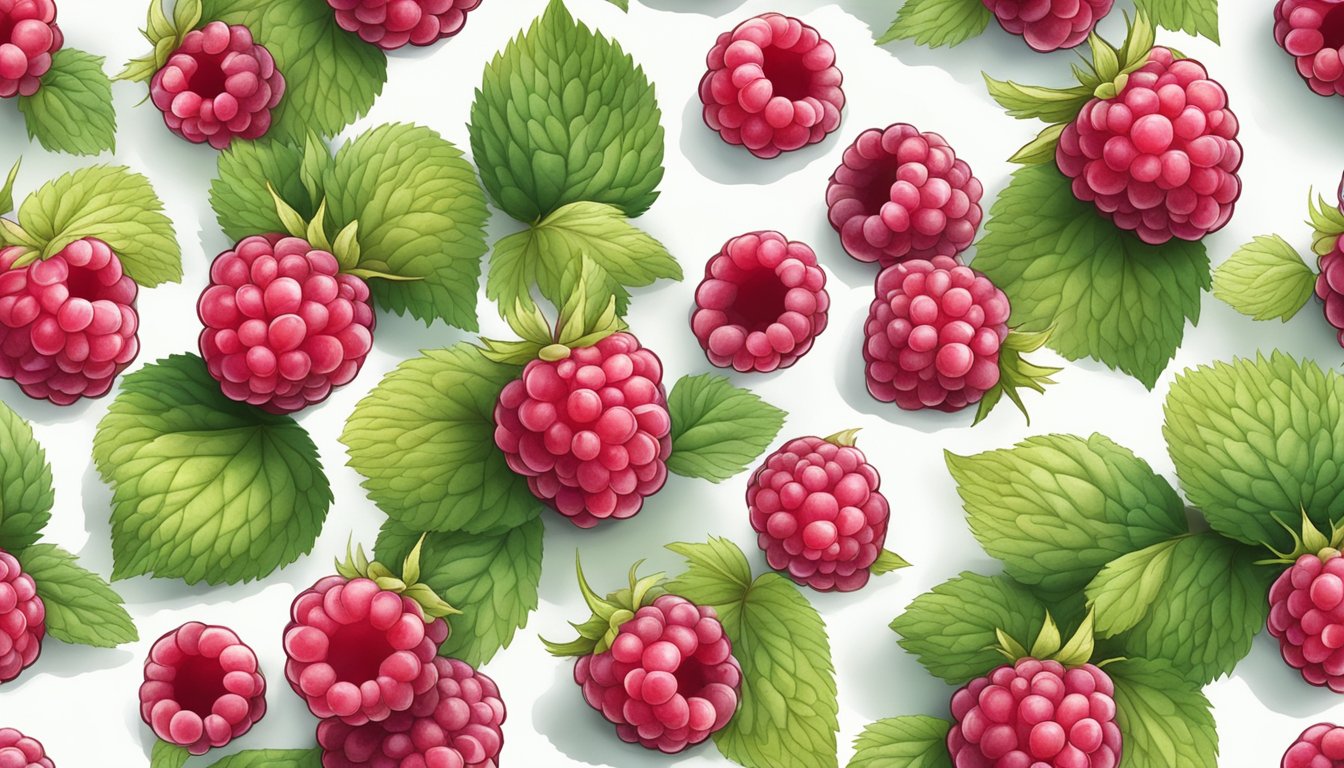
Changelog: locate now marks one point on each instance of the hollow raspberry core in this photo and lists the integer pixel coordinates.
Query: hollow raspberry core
(199, 682)
(760, 300)
(357, 651)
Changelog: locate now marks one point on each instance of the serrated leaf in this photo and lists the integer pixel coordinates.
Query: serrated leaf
(1165, 720)
(936, 23)
(1264, 279)
(424, 441)
(81, 607)
(888, 561)
(272, 758)
(1124, 590)
(1196, 17)
(72, 111)
(718, 429)
(205, 488)
(624, 5)
(903, 742)
(165, 755)
(1034, 102)
(717, 572)
(239, 194)
(26, 492)
(563, 115)
(587, 307)
(1106, 294)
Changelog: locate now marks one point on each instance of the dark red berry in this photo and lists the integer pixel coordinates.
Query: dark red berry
(19, 751)
(391, 24)
(23, 619)
(1307, 616)
(1048, 25)
(1330, 287)
(1320, 746)
(1312, 32)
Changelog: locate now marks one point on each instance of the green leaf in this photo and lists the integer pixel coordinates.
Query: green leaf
(331, 76)
(1196, 17)
(115, 205)
(903, 742)
(492, 579)
(1034, 102)
(1040, 149)
(272, 758)
(72, 111)
(1057, 508)
(424, 441)
(888, 561)
(563, 115)
(205, 488)
(421, 215)
(81, 607)
(588, 310)
(1165, 720)
(937, 23)
(1123, 591)
(1265, 279)
(240, 197)
(1257, 442)
(26, 492)
(1106, 294)
(624, 5)
(165, 755)
(718, 429)
(788, 714)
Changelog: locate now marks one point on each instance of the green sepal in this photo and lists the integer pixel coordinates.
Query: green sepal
(1016, 373)
(7, 191)
(848, 438)
(888, 561)
(1310, 541)
(1050, 645)
(531, 325)
(356, 565)
(345, 247)
(1327, 221)
(599, 631)
(165, 35)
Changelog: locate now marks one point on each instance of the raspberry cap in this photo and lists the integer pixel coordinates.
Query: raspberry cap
(28, 38)
(762, 303)
(23, 619)
(203, 687)
(392, 24)
(1320, 746)
(1049, 25)
(772, 86)
(1312, 32)
(901, 194)
(19, 751)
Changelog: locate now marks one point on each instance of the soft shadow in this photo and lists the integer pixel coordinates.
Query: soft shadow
(42, 411)
(715, 8)
(721, 162)
(66, 660)
(1280, 687)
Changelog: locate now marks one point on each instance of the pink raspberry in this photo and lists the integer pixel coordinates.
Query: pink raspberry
(283, 326)
(1048, 25)
(19, 751)
(591, 433)
(1312, 32)
(456, 724)
(1330, 287)
(1036, 714)
(67, 323)
(818, 513)
(772, 86)
(22, 620)
(217, 86)
(202, 688)
(1161, 158)
(762, 303)
(1320, 746)
(359, 652)
(28, 38)
(933, 335)
(1307, 616)
(391, 24)
(901, 194)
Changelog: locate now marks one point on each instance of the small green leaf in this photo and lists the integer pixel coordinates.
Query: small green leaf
(1265, 279)
(1124, 590)
(1165, 720)
(165, 755)
(718, 429)
(936, 23)
(81, 607)
(239, 193)
(903, 742)
(1196, 17)
(1105, 60)
(717, 571)
(26, 492)
(272, 758)
(1139, 41)
(888, 561)
(1042, 148)
(72, 111)
(1033, 102)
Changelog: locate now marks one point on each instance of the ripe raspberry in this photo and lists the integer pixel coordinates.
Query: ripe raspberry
(19, 751)
(933, 335)
(819, 516)
(28, 38)
(1320, 746)
(202, 688)
(901, 194)
(1312, 31)
(283, 326)
(217, 86)
(1036, 714)
(591, 432)
(1330, 287)
(762, 303)
(22, 619)
(1161, 158)
(772, 86)
(67, 323)
(456, 724)
(1048, 25)
(1307, 616)
(391, 24)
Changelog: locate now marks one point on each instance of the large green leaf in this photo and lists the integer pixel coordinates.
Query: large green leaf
(26, 492)
(239, 193)
(72, 111)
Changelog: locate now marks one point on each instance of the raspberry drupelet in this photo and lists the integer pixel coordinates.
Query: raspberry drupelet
(1312, 32)
(1049, 25)
(392, 24)
(19, 751)
(28, 39)
(22, 619)
(1320, 746)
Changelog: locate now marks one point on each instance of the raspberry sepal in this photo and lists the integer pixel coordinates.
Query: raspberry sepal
(1017, 373)
(609, 614)
(1310, 540)
(357, 565)
(165, 35)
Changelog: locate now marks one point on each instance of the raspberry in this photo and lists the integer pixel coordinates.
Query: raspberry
(283, 326)
(1048, 25)
(28, 38)
(901, 194)
(217, 86)
(391, 24)
(1161, 158)
(762, 303)
(19, 751)
(1320, 746)
(1307, 616)
(202, 688)
(772, 86)
(22, 620)
(1330, 287)
(1312, 31)
(818, 514)
(1036, 714)
(455, 724)
(67, 323)
(591, 433)
(933, 335)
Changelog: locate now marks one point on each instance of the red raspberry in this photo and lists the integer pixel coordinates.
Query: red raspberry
(1048, 25)
(762, 303)
(1320, 746)
(28, 38)
(217, 86)
(67, 323)
(22, 619)
(1161, 158)
(456, 724)
(591, 433)
(1330, 287)
(1312, 31)
(901, 194)
(202, 688)
(772, 86)
(1307, 616)
(391, 24)
(933, 335)
(1036, 714)
(19, 751)
(818, 514)
(283, 326)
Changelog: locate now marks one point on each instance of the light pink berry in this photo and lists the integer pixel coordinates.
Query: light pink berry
(1048, 25)
(391, 24)
(28, 39)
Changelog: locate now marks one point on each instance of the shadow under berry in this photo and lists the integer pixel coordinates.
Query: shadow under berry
(724, 163)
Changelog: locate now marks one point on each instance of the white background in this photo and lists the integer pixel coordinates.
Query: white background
(82, 702)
